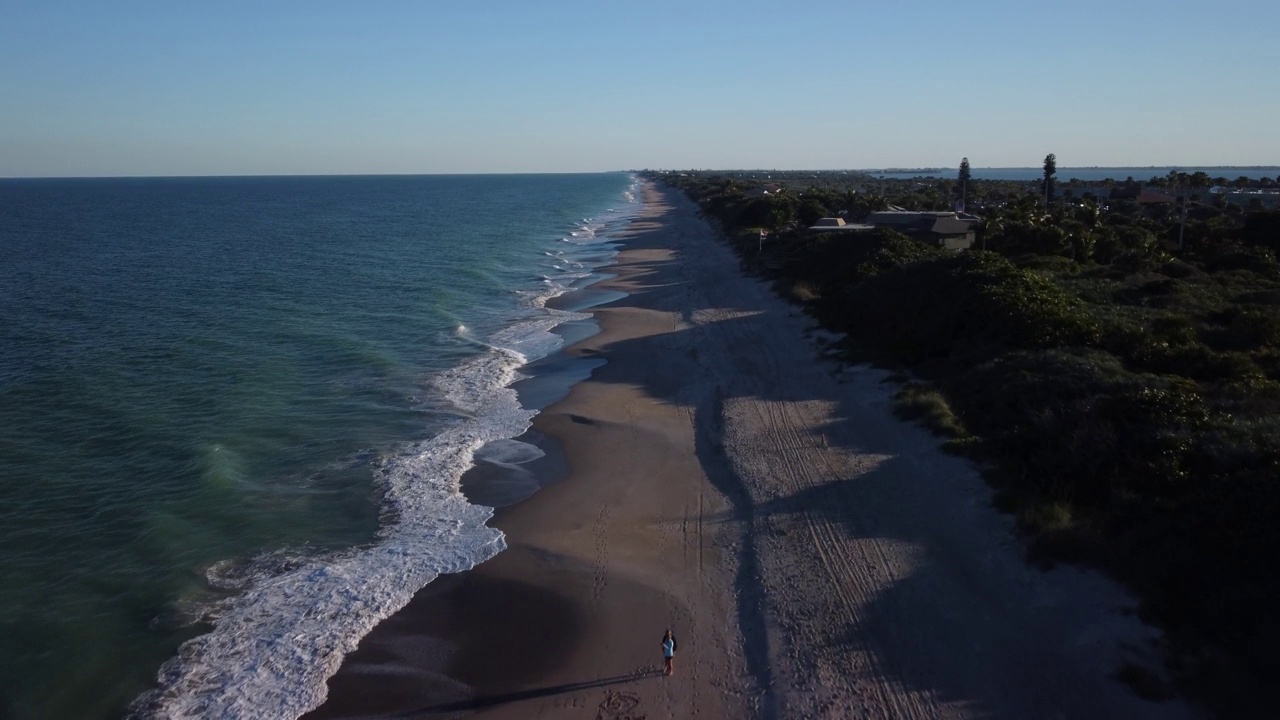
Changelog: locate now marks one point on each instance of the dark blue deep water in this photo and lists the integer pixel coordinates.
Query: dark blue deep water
(243, 404)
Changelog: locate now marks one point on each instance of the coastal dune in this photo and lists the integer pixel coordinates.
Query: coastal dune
(815, 556)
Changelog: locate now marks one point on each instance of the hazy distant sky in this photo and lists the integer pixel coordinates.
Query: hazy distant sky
(162, 88)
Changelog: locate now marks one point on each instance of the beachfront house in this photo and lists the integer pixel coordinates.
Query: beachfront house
(1251, 198)
(838, 224)
(951, 230)
(1151, 197)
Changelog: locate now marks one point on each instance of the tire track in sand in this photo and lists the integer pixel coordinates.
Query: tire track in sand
(784, 461)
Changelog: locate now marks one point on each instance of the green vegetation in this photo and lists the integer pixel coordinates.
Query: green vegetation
(929, 408)
(1121, 384)
(1050, 169)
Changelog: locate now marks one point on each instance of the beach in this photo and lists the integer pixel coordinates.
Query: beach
(722, 476)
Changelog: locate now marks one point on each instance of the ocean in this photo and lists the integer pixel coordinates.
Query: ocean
(234, 413)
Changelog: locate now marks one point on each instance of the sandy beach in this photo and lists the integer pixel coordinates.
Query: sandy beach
(815, 556)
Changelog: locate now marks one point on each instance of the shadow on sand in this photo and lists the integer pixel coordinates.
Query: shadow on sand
(487, 701)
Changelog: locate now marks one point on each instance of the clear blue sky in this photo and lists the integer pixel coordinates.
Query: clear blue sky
(165, 88)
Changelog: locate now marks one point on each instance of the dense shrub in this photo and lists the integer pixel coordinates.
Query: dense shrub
(1178, 269)
(1197, 362)
(1258, 297)
(930, 408)
(1078, 426)
(1174, 330)
(1130, 418)
(1055, 264)
(1253, 328)
(1131, 246)
(835, 261)
(1159, 292)
(1230, 256)
(930, 308)
(1262, 228)
(810, 210)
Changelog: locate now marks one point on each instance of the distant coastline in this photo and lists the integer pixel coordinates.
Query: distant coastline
(1088, 173)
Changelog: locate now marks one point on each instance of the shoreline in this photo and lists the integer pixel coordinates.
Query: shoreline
(815, 556)
(483, 627)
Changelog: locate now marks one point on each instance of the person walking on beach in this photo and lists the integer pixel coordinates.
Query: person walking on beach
(668, 652)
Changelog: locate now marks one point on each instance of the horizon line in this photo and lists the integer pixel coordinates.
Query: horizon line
(866, 170)
(306, 175)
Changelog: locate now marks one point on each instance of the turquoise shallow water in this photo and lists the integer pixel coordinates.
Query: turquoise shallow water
(248, 400)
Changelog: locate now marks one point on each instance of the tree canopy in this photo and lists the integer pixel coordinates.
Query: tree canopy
(1050, 169)
(962, 181)
(1122, 388)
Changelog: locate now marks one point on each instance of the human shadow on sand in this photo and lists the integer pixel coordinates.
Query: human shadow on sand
(487, 701)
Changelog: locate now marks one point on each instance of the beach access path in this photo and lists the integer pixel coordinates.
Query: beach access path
(815, 556)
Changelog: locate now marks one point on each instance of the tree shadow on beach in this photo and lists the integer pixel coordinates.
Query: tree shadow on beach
(488, 701)
(928, 590)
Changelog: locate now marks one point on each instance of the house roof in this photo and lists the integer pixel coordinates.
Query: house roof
(906, 217)
(1147, 196)
(952, 226)
(843, 227)
(919, 223)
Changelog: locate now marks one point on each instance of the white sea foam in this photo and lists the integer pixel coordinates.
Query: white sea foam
(274, 645)
(296, 615)
(509, 452)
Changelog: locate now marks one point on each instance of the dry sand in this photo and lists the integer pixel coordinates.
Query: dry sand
(815, 556)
